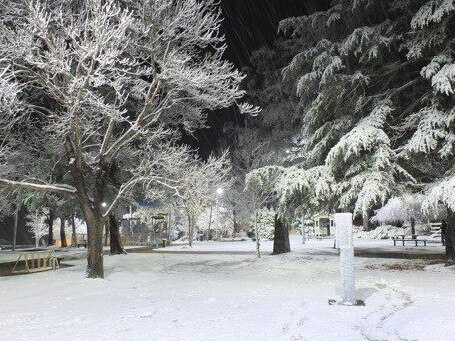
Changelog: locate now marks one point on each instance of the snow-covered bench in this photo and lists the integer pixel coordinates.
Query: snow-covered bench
(321, 237)
(35, 261)
(416, 241)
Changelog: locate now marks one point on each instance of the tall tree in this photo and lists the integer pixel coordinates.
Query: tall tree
(114, 232)
(105, 82)
(375, 82)
(199, 186)
(268, 138)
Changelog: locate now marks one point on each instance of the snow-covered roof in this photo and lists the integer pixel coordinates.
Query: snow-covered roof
(322, 215)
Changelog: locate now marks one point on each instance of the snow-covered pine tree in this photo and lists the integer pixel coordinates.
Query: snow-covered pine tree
(277, 124)
(356, 83)
(268, 138)
(304, 192)
(429, 150)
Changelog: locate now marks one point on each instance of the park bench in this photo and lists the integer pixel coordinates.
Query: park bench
(321, 237)
(34, 261)
(403, 240)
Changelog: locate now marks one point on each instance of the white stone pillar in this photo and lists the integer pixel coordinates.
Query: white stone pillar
(343, 223)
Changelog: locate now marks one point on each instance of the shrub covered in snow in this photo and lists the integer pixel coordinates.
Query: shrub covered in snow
(381, 232)
(389, 231)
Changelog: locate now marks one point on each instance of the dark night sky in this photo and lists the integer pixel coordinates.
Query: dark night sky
(248, 25)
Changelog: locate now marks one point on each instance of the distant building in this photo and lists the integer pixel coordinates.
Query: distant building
(323, 224)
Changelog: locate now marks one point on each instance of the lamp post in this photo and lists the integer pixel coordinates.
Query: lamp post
(219, 192)
(106, 227)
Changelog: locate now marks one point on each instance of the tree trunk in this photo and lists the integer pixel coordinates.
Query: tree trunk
(413, 228)
(16, 218)
(169, 227)
(50, 221)
(62, 233)
(130, 220)
(281, 237)
(73, 232)
(94, 245)
(91, 208)
(116, 246)
(366, 222)
(106, 233)
(236, 225)
(450, 237)
(256, 231)
(210, 222)
(190, 231)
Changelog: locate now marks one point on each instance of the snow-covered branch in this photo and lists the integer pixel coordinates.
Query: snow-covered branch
(54, 188)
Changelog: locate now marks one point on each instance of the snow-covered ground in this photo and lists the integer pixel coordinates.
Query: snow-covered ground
(222, 296)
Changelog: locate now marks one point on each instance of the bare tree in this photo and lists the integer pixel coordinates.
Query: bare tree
(199, 186)
(260, 186)
(104, 82)
(38, 225)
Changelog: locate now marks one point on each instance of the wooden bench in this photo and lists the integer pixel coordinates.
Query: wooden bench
(416, 241)
(35, 261)
(321, 237)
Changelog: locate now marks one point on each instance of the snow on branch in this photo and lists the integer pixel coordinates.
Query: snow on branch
(443, 192)
(432, 132)
(48, 188)
(365, 136)
(404, 208)
(432, 12)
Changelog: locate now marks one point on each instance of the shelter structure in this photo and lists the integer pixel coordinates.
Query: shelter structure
(323, 224)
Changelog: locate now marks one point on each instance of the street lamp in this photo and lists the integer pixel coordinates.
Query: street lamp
(219, 192)
(106, 227)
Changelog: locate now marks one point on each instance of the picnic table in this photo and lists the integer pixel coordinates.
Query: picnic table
(403, 238)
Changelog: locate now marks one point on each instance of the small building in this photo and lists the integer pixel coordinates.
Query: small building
(323, 224)
(150, 229)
